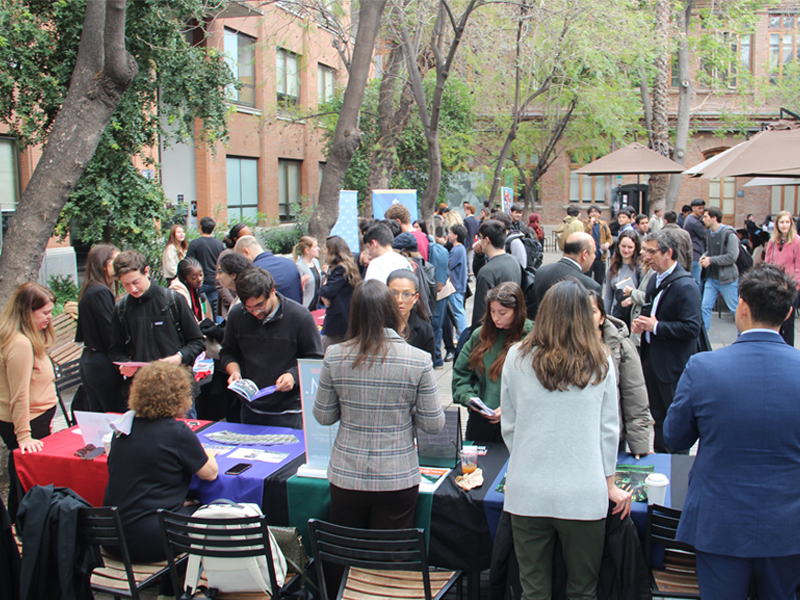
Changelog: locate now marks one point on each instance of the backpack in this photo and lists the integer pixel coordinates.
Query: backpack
(533, 249)
(745, 260)
(526, 283)
(442, 257)
(426, 273)
(561, 235)
(171, 308)
(249, 574)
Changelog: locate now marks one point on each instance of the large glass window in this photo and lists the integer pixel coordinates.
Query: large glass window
(785, 197)
(9, 180)
(722, 193)
(731, 56)
(242, 179)
(585, 188)
(241, 58)
(288, 77)
(783, 43)
(326, 77)
(288, 188)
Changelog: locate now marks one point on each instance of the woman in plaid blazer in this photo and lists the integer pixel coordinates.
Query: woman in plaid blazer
(379, 387)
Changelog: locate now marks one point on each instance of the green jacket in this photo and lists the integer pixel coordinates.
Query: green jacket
(469, 384)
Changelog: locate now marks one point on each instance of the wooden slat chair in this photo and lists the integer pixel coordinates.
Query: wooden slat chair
(65, 349)
(379, 563)
(678, 578)
(68, 378)
(119, 577)
(221, 538)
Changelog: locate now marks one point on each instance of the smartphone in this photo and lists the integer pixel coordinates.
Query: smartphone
(92, 454)
(238, 469)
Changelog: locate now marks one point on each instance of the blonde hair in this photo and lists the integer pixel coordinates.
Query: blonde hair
(305, 242)
(17, 317)
(161, 390)
(776, 234)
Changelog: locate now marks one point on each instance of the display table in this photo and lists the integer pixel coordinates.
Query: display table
(56, 463)
(264, 483)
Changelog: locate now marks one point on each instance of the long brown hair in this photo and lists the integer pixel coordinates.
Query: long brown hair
(509, 295)
(565, 346)
(96, 272)
(372, 309)
(181, 247)
(338, 253)
(777, 237)
(17, 317)
(616, 260)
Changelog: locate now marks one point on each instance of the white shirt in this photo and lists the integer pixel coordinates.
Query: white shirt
(660, 277)
(380, 268)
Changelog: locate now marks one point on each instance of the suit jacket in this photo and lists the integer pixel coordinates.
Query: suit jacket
(378, 404)
(339, 291)
(679, 323)
(741, 401)
(548, 275)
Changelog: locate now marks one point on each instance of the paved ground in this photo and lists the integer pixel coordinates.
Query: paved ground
(723, 332)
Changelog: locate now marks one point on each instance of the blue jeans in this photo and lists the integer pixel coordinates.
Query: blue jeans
(713, 288)
(211, 293)
(437, 323)
(696, 270)
(456, 301)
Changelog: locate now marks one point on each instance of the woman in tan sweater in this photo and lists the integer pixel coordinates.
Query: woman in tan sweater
(27, 382)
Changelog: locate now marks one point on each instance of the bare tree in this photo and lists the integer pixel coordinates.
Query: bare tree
(684, 103)
(347, 136)
(103, 71)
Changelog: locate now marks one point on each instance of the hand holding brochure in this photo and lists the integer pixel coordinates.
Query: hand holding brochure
(478, 405)
(248, 390)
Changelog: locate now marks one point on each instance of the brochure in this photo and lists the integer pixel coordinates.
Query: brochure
(266, 456)
(478, 405)
(248, 390)
(631, 479)
(133, 364)
(431, 478)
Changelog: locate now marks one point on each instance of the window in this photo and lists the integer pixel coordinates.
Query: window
(288, 81)
(785, 197)
(722, 193)
(9, 183)
(783, 44)
(731, 56)
(325, 80)
(242, 176)
(288, 188)
(585, 188)
(241, 57)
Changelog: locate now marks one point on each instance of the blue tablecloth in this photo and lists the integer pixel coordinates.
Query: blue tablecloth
(249, 485)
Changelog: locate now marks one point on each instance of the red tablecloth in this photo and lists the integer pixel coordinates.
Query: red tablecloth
(319, 317)
(57, 464)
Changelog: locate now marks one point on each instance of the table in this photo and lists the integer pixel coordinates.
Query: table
(57, 464)
(264, 483)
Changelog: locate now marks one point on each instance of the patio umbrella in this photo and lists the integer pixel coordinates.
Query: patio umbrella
(700, 168)
(772, 181)
(633, 159)
(771, 153)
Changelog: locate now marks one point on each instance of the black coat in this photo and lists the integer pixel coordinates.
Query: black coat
(339, 292)
(420, 333)
(9, 557)
(548, 275)
(679, 324)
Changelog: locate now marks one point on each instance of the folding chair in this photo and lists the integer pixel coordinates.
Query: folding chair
(68, 376)
(678, 578)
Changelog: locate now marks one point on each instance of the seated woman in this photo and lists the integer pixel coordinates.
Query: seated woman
(415, 326)
(152, 466)
(477, 370)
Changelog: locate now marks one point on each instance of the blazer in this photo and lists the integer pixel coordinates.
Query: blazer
(679, 324)
(742, 498)
(339, 292)
(548, 275)
(378, 404)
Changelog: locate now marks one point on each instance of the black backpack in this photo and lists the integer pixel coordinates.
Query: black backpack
(745, 260)
(533, 249)
(526, 283)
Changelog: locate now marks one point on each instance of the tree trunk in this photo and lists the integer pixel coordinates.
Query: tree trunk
(658, 183)
(347, 136)
(103, 71)
(684, 105)
(647, 105)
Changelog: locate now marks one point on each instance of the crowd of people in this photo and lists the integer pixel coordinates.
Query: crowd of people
(572, 366)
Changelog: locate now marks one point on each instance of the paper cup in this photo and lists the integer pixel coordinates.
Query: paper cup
(656, 488)
(107, 442)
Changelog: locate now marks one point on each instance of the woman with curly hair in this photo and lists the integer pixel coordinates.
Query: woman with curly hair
(477, 370)
(151, 467)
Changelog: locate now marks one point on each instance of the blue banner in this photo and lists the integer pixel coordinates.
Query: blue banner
(507, 194)
(383, 199)
(347, 225)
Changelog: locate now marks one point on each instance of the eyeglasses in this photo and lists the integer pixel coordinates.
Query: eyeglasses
(258, 309)
(404, 295)
(650, 250)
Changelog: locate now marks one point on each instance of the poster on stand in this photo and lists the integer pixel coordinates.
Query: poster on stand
(319, 438)
(508, 198)
(383, 199)
(347, 224)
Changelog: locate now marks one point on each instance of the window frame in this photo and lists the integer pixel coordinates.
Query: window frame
(323, 71)
(597, 181)
(246, 94)
(285, 98)
(239, 207)
(285, 214)
(785, 29)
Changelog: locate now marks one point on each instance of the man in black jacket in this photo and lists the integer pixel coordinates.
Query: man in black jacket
(264, 337)
(151, 322)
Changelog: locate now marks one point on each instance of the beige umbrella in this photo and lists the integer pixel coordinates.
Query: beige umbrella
(633, 159)
(759, 181)
(770, 153)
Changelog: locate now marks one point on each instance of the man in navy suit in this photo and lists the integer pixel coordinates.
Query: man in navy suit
(670, 324)
(742, 510)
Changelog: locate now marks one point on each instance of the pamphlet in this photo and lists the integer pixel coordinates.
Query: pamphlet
(627, 282)
(94, 426)
(631, 479)
(203, 367)
(266, 456)
(132, 364)
(431, 478)
(248, 390)
(478, 405)
(214, 450)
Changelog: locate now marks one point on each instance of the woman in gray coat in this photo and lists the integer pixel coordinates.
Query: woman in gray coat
(631, 390)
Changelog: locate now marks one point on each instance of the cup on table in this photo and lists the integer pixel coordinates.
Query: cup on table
(469, 459)
(107, 442)
(656, 488)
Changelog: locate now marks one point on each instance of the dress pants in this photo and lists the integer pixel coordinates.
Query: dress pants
(728, 577)
(661, 395)
(598, 271)
(102, 382)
